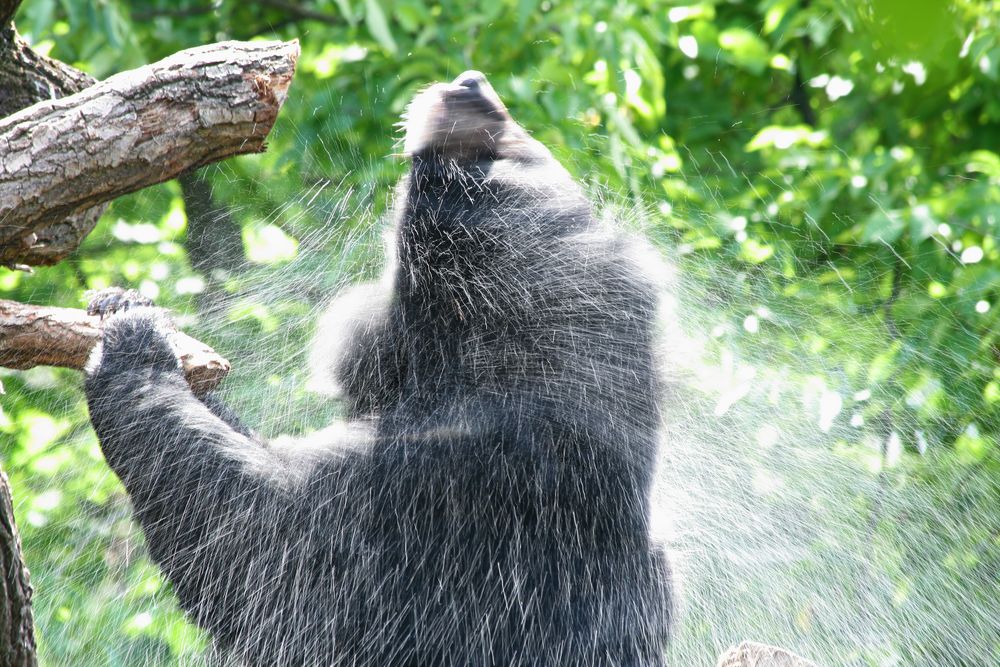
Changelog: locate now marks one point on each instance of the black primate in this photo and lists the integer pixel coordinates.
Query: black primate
(490, 503)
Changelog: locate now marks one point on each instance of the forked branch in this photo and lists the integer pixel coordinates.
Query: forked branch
(133, 130)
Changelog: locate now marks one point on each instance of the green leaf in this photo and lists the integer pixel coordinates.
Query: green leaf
(883, 227)
(985, 162)
(971, 447)
(745, 49)
(345, 9)
(922, 223)
(883, 365)
(525, 9)
(411, 14)
(755, 252)
(378, 26)
(269, 244)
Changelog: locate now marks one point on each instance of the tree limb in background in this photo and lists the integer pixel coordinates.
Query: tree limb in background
(299, 12)
(135, 129)
(46, 336)
(7, 10)
(214, 240)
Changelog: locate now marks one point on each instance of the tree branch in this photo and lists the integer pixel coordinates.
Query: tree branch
(46, 336)
(214, 240)
(186, 12)
(27, 77)
(133, 130)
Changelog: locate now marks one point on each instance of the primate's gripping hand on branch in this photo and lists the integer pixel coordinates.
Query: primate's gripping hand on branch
(111, 300)
(135, 334)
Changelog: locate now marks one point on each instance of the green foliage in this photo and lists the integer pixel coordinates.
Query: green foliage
(825, 175)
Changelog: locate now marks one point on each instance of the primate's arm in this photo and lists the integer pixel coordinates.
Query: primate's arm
(214, 503)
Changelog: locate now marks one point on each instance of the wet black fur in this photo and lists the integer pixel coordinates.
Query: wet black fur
(493, 506)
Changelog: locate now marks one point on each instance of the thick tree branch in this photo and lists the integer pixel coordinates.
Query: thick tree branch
(47, 336)
(27, 78)
(133, 130)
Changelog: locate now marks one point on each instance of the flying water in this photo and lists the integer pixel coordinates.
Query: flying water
(793, 517)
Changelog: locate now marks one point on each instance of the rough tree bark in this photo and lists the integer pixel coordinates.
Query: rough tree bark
(136, 129)
(36, 336)
(27, 78)
(17, 631)
(17, 638)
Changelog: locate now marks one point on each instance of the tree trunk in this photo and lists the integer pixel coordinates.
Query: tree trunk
(18, 89)
(17, 636)
(214, 240)
(25, 79)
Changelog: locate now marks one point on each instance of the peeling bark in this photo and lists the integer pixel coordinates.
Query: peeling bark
(46, 336)
(135, 129)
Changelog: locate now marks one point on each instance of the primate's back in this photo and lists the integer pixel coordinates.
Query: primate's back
(493, 505)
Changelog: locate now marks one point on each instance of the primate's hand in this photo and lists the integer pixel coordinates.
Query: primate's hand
(105, 302)
(134, 333)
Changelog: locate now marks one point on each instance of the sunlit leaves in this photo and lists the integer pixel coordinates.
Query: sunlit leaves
(644, 85)
(883, 227)
(972, 447)
(912, 28)
(745, 49)
(986, 162)
(784, 137)
(755, 252)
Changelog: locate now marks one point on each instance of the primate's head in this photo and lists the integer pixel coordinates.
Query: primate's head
(465, 121)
